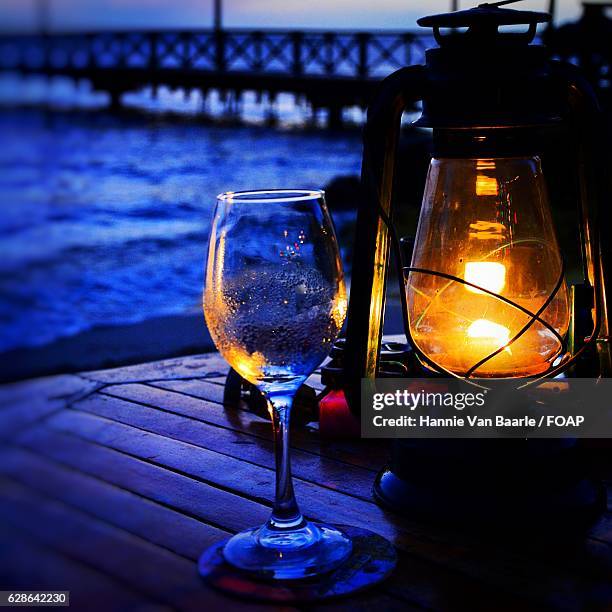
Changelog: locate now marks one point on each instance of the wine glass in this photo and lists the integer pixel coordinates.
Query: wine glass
(274, 303)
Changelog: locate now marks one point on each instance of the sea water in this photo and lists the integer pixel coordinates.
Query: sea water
(104, 220)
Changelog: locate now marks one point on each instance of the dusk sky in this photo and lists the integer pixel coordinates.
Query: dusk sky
(75, 14)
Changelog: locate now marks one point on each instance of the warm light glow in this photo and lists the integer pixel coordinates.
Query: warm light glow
(486, 274)
(249, 365)
(486, 185)
(486, 230)
(340, 307)
(483, 328)
(503, 243)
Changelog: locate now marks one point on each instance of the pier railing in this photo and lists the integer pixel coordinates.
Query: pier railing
(358, 55)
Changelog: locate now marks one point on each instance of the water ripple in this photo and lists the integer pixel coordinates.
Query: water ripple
(106, 221)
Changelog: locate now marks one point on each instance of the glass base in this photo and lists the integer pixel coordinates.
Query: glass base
(285, 554)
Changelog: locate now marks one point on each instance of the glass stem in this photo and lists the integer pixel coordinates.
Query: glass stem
(285, 513)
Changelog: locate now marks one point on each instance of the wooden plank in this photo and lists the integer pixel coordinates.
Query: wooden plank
(197, 388)
(108, 503)
(66, 387)
(320, 471)
(367, 454)
(533, 578)
(182, 367)
(371, 454)
(220, 508)
(216, 380)
(253, 448)
(20, 416)
(32, 567)
(229, 473)
(90, 460)
(314, 380)
(235, 475)
(148, 569)
(28, 565)
(27, 402)
(158, 524)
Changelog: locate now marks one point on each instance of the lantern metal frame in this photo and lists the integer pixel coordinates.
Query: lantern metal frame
(561, 95)
(508, 91)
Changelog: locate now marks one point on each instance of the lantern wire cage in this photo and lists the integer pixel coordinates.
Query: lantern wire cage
(567, 359)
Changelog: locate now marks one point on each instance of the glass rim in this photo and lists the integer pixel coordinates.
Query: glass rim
(267, 196)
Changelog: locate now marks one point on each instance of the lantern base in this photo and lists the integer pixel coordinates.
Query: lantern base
(526, 486)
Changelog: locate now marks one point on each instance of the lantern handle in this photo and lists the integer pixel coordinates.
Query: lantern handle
(480, 26)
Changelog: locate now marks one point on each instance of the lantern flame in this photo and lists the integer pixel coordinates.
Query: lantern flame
(489, 275)
(485, 329)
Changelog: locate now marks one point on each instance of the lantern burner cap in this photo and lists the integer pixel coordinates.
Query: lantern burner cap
(483, 23)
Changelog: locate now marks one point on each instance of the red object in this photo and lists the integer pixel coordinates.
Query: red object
(335, 417)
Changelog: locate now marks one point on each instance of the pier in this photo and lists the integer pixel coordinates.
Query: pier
(326, 69)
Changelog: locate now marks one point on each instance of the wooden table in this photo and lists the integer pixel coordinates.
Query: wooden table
(113, 482)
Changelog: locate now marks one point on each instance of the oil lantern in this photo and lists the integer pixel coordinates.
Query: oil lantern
(485, 294)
